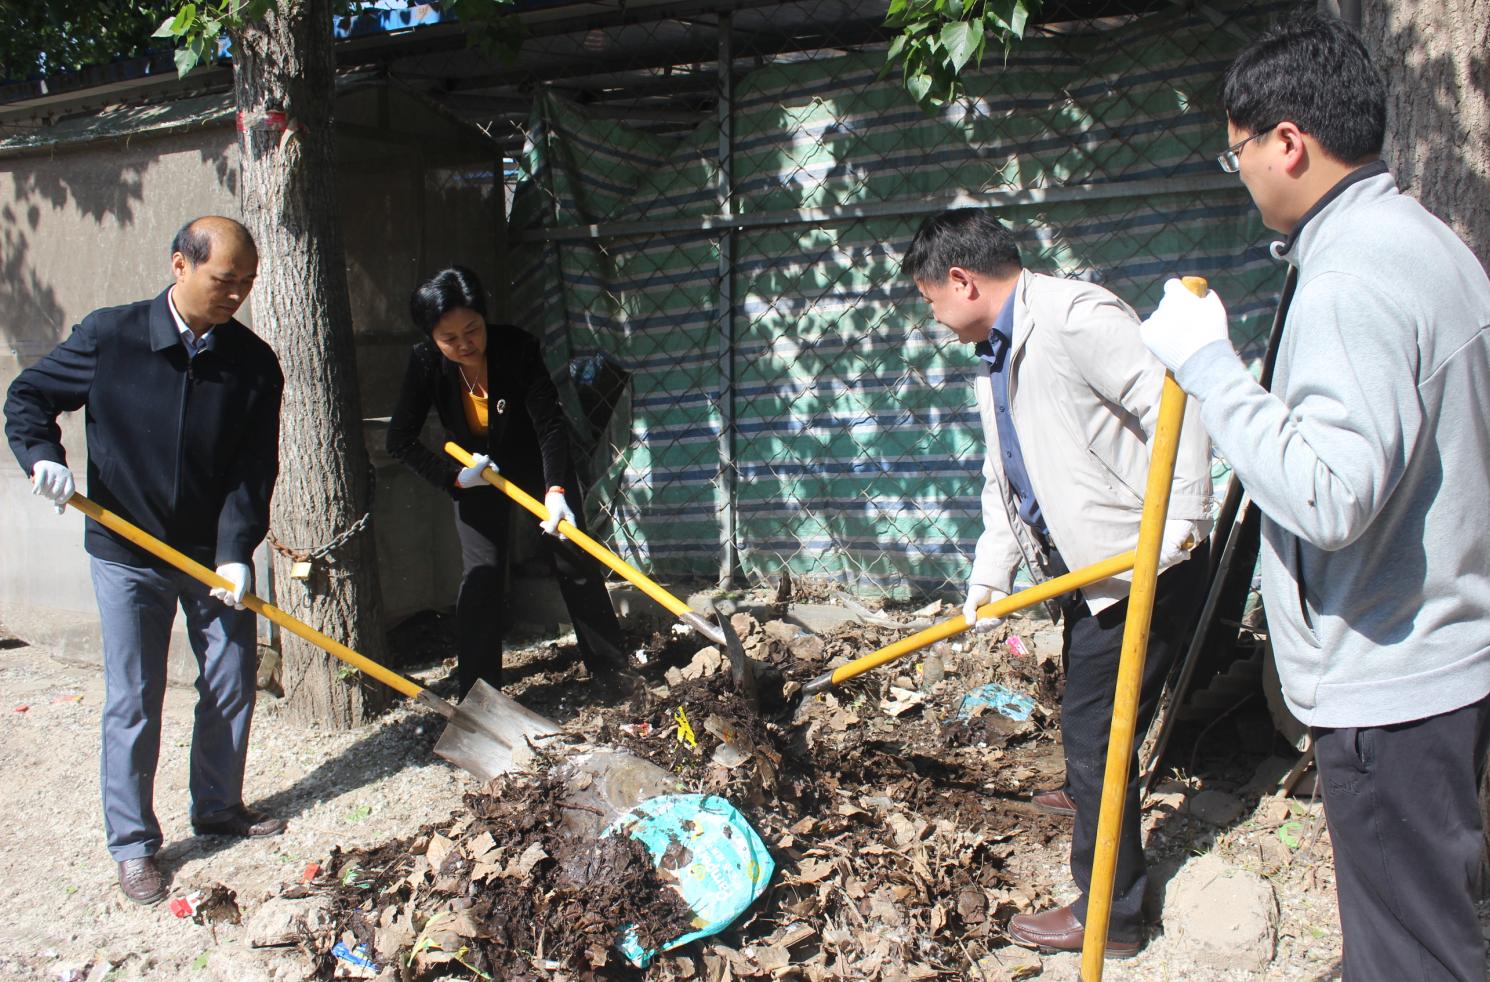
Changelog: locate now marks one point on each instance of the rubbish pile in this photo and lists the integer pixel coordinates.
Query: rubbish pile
(893, 809)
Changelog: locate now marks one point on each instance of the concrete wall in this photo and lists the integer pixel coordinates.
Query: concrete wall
(91, 227)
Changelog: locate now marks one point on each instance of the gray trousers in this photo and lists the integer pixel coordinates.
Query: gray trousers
(136, 608)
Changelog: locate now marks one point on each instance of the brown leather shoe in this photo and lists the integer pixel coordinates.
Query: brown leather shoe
(142, 881)
(1059, 930)
(244, 823)
(1054, 802)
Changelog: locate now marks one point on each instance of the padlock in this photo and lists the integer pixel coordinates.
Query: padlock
(300, 570)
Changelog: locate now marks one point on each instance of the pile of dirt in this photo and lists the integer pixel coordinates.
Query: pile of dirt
(501, 891)
(892, 818)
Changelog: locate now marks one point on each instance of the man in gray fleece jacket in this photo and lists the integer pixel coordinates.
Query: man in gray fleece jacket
(1370, 460)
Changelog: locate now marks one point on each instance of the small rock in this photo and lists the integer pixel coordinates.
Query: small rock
(1227, 918)
(704, 664)
(1216, 807)
(1166, 803)
(1268, 776)
(807, 648)
(1273, 812)
(1010, 964)
(781, 631)
(283, 922)
(744, 625)
(1273, 854)
(933, 670)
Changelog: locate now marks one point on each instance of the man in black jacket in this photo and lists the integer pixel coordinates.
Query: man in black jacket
(182, 419)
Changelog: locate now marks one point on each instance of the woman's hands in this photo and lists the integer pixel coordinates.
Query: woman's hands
(469, 477)
(558, 510)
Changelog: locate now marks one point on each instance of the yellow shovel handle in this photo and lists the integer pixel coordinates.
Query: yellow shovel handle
(1003, 607)
(630, 573)
(1130, 665)
(263, 608)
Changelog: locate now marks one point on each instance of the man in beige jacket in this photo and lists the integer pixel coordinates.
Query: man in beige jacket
(1068, 397)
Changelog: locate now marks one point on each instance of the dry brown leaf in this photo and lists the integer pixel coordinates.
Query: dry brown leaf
(771, 958)
(439, 849)
(480, 847)
(523, 865)
(812, 871)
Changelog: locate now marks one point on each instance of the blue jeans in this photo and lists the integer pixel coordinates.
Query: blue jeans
(136, 607)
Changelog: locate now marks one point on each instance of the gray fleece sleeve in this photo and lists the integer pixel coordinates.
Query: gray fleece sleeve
(1322, 456)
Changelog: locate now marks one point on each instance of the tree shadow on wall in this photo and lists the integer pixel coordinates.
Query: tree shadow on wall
(60, 193)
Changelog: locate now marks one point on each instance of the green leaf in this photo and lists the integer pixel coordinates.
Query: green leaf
(200, 962)
(186, 59)
(897, 48)
(919, 86)
(185, 17)
(359, 813)
(1288, 833)
(1019, 19)
(959, 40)
(167, 28)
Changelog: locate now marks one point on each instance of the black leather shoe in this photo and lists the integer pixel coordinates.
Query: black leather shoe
(1055, 802)
(243, 823)
(142, 881)
(1059, 930)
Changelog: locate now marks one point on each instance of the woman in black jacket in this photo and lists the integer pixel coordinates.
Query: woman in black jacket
(494, 397)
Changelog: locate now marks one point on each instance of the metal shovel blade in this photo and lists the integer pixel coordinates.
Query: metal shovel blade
(739, 662)
(488, 735)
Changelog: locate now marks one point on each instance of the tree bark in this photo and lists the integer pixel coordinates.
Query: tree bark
(301, 307)
(1436, 57)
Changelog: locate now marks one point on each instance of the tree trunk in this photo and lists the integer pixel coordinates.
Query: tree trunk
(1438, 109)
(301, 307)
(1438, 106)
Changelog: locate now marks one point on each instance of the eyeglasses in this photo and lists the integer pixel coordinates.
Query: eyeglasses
(1229, 160)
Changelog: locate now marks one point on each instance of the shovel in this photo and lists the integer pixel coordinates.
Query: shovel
(717, 631)
(486, 734)
(1003, 607)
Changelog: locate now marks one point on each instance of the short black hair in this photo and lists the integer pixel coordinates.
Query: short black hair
(195, 239)
(968, 237)
(443, 292)
(1312, 71)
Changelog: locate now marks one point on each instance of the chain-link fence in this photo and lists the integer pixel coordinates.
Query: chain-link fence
(756, 385)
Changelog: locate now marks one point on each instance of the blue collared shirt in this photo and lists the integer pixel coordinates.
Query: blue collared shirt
(995, 353)
(194, 345)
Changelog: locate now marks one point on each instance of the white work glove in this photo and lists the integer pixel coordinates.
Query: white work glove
(1180, 536)
(977, 596)
(1182, 324)
(470, 477)
(238, 574)
(558, 509)
(53, 481)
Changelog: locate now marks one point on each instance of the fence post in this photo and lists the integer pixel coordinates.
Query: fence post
(729, 559)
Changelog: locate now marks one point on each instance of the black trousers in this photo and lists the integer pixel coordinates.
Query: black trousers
(481, 522)
(1092, 647)
(1403, 811)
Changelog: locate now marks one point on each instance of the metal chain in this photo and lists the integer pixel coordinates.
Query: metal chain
(320, 552)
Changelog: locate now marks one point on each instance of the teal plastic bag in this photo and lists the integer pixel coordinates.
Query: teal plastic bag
(1006, 702)
(724, 864)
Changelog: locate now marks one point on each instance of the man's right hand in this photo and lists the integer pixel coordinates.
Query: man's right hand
(977, 596)
(469, 477)
(53, 481)
(1183, 324)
